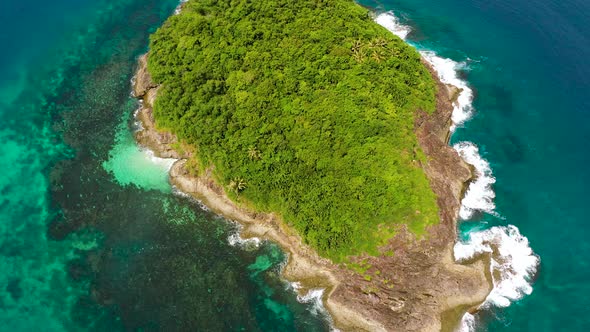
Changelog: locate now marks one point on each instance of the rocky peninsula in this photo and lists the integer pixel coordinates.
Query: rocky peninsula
(416, 286)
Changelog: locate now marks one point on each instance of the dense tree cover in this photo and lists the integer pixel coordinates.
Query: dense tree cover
(305, 108)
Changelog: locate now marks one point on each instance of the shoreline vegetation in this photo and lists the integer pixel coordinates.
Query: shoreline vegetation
(412, 283)
(302, 108)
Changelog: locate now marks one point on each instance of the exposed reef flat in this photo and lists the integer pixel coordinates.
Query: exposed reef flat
(416, 286)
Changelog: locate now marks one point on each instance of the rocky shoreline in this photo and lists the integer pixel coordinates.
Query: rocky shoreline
(418, 287)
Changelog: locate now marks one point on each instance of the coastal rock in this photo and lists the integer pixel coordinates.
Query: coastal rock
(163, 143)
(413, 286)
(142, 80)
(425, 288)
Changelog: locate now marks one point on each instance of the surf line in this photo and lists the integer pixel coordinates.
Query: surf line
(512, 261)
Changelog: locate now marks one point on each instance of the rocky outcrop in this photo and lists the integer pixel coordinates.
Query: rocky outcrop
(413, 286)
(163, 143)
(142, 81)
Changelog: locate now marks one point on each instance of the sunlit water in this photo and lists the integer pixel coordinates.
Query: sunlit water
(526, 131)
(92, 236)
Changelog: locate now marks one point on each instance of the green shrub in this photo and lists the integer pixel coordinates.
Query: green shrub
(311, 104)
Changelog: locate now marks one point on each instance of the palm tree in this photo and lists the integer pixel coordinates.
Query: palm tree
(241, 184)
(377, 56)
(237, 185)
(380, 42)
(359, 56)
(356, 45)
(377, 44)
(358, 52)
(253, 153)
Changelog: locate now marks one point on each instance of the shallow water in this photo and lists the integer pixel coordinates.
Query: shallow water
(92, 237)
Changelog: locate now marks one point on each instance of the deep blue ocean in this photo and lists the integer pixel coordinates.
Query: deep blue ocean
(92, 237)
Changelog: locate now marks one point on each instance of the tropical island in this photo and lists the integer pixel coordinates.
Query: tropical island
(317, 128)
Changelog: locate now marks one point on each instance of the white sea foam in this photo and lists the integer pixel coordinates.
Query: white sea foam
(480, 194)
(447, 71)
(513, 263)
(137, 124)
(248, 244)
(165, 163)
(179, 7)
(178, 192)
(313, 297)
(391, 23)
(467, 323)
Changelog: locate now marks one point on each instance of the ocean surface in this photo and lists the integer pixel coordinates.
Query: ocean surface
(524, 123)
(93, 238)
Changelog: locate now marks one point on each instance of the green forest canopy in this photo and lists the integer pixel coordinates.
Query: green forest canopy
(305, 108)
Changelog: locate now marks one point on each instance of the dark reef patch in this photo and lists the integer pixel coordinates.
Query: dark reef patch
(127, 258)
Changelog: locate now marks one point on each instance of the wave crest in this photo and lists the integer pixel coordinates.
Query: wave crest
(447, 71)
(513, 262)
(467, 323)
(313, 297)
(480, 194)
(246, 244)
(391, 23)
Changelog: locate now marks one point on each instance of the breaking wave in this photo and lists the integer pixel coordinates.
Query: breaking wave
(313, 297)
(248, 244)
(480, 194)
(391, 23)
(446, 69)
(467, 323)
(513, 263)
